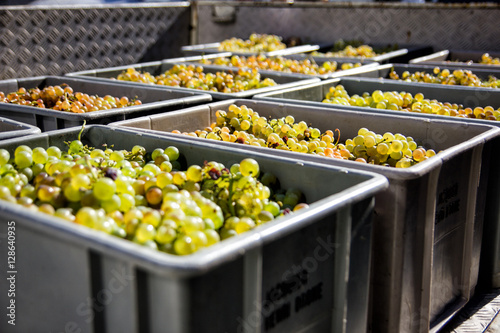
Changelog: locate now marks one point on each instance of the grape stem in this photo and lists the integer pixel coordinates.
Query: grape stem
(81, 131)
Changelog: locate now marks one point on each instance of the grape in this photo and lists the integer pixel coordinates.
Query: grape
(104, 188)
(4, 157)
(145, 232)
(75, 146)
(172, 153)
(86, 216)
(184, 245)
(249, 167)
(212, 236)
(154, 195)
(23, 159)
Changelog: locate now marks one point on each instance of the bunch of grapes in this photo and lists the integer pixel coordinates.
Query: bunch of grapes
(281, 64)
(63, 98)
(405, 101)
(147, 198)
(193, 77)
(244, 125)
(364, 51)
(457, 77)
(489, 60)
(256, 43)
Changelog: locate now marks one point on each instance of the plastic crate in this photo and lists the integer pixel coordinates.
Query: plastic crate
(308, 271)
(154, 100)
(12, 129)
(210, 48)
(312, 95)
(428, 224)
(283, 80)
(456, 58)
(383, 71)
(353, 71)
(401, 55)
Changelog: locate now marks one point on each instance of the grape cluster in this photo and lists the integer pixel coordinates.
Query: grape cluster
(193, 77)
(281, 64)
(461, 77)
(350, 51)
(63, 98)
(405, 101)
(147, 198)
(489, 60)
(244, 125)
(256, 43)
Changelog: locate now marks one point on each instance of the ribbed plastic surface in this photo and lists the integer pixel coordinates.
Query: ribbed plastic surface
(56, 40)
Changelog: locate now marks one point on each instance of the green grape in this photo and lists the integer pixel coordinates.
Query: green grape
(194, 173)
(40, 155)
(165, 234)
(184, 245)
(152, 217)
(127, 201)
(172, 153)
(23, 148)
(65, 213)
(154, 169)
(86, 216)
(212, 237)
(73, 194)
(244, 224)
(179, 178)
(156, 153)
(75, 146)
(117, 156)
(249, 167)
(145, 232)
(396, 146)
(4, 157)
(23, 159)
(111, 204)
(54, 151)
(166, 166)
(104, 188)
(81, 181)
(199, 238)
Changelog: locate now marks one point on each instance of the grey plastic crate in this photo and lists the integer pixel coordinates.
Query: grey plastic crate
(307, 271)
(154, 100)
(210, 48)
(12, 129)
(401, 55)
(383, 71)
(469, 96)
(428, 224)
(456, 58)
(283, 80)
(353, 71)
